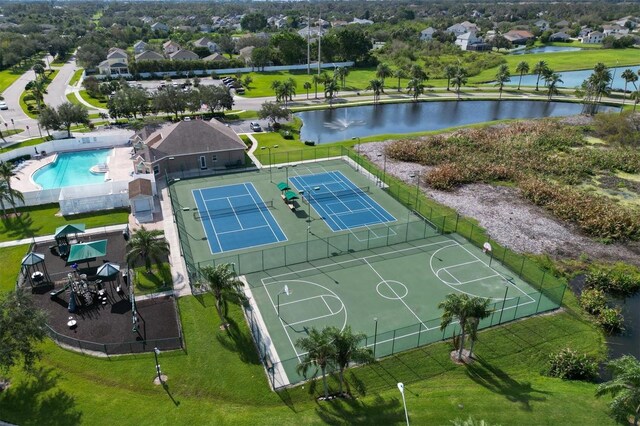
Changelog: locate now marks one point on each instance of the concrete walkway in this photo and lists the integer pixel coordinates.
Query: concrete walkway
(91, 231)
(181, 285)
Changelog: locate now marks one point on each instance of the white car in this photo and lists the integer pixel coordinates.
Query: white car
(3, 105)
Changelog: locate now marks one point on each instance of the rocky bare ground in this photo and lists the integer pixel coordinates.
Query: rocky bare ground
(509, 218)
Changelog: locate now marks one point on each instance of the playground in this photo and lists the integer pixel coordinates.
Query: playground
(106, 324)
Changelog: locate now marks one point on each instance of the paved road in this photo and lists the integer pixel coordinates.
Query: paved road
(12, 98)
(57, 89)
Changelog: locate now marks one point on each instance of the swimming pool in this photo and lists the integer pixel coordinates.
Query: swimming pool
(72, 169)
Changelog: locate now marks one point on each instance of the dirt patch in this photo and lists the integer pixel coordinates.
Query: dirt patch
(615, 183)
(509, 218)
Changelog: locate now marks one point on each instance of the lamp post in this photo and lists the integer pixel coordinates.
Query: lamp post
(286, 291)
(269, 148)
(156, 352)
(416, 175)
(13, 124)
(375, 336)
(358, 149)
(384, 167)
(286, 169)
(404, 402)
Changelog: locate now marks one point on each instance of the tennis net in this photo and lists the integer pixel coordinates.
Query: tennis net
(324, 194)
(230, 211)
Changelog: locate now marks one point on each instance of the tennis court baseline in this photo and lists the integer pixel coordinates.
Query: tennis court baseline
(340, 203)
(235, 217)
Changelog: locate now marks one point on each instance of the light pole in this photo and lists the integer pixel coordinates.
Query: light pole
(286, 169)
(375, 336)
(156, 352)
(13, 124)
(286, 291)
(358, 149)
(269, 148)
(384, 168)
(404, 402)
(416, 175)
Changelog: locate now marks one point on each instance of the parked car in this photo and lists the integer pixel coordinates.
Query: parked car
(240, 91)
(255, 127)
(3, 105)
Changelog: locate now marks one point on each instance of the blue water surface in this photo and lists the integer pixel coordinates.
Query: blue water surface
(72, 169)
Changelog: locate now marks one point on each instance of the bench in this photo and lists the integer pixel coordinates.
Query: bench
(292, 207)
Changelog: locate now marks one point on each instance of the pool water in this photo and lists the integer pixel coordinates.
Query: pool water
(72, 169)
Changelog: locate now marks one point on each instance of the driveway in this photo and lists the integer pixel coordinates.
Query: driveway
(57, 89)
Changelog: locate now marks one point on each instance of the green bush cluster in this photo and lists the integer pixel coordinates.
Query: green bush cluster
(593, 300)
(611, 320)
(618, 280)
(598, 216)
(570, 365)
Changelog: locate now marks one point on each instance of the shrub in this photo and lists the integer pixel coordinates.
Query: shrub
(619, 280)
(611, 320)
(570, 365)
(286, 134)
(276, 126)
(593, 301)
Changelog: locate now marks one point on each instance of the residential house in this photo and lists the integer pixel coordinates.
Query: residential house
(139, 47)
(584, 30)
(117, 63)
(614, 30)
(183, 55)
(206, 42)
(594, 37)
(339, 23)
(562, 24)
(560, 36)
(215, 57)
(160, 27)
(518, 36)
(427, 34)
(312, 32)
(170, 47)
(190, 148)
(542, 24)
(147, 19)
(627, 21)
(457, 29)
(245, 54)
(149, 55)
(205, 28)
(466, 40)
(361, 21)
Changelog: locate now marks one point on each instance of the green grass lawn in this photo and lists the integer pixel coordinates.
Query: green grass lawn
(11, 260)
(7, 133)
(158, 280)
(568, 61)
(76, 76)
(98, 103)
(25, 104)
(30, 142)
(42, 220)
(7, 77)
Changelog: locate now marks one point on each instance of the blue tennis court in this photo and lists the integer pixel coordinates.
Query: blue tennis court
(341, 203)
(235, 217)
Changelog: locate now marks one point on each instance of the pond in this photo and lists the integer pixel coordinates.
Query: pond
(545, 49)
(575, 78)
(333, 125)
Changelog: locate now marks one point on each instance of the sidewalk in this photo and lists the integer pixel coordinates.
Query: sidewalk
(92, 231)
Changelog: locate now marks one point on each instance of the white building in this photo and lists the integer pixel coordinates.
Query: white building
(594, 37)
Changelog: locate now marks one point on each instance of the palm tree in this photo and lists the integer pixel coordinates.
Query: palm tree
(221, 281)
(320, 351)
(624, 387)
(347, 350)
(383, 71)
(148, 245)
(459, 80)
(6, 173)
(629, 77)
(450, 72)
(340, 74)
(418, 73)
(478, 310)
(538, 69)
(277, 88)
(39, 70)
(552, 82)
(502, 76)
(9, 195)
(416, 88)
(37, 89)
(456, 306)
(400, 73)
(377, 86)
(635, 96)
(597, 85)
(288, 90)
(317, 79)
(522, 68)
(330, 89)
(307, 87)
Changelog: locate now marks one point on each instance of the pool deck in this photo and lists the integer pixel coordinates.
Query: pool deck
(119, 162)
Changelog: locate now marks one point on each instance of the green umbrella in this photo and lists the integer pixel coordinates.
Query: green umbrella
(86, 251)
(290, 195)
(72, 228)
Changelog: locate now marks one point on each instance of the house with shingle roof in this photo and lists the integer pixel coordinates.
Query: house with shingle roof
(170, 47)
(149, 55)
(518, 36)
(189, 148)
(117, 63)
(206, 42)
(183, 55)
(215, 57)
(139, 47)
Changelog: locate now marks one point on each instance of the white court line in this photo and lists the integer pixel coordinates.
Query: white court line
(503, 277)
(397, 295)
(476, 279)
(262, 213)
(225, 198)
(315, 268)
(244, 229)
(291, 324)
(212, 226)
(450, 274)
(295, 351)
(325, 302)
(299, 300)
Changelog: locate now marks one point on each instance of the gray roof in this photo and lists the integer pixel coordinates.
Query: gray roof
(149, 55)
(183, 55)
(192, 137)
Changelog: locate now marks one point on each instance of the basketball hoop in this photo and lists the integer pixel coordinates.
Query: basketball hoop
(486, 248)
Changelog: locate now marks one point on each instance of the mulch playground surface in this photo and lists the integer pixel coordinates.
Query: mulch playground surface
(106, 327)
